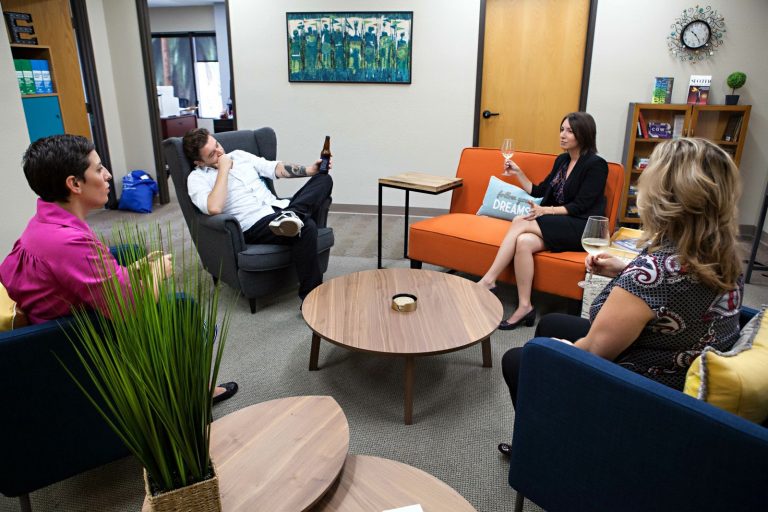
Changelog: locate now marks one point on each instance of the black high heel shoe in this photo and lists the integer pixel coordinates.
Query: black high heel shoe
(529, 319)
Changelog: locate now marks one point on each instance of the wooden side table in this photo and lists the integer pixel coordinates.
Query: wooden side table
(375, 484)
(416, 182)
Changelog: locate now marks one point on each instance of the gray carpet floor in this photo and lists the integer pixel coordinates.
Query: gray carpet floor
(461, 410)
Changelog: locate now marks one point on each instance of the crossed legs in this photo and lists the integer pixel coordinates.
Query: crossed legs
(519, 245)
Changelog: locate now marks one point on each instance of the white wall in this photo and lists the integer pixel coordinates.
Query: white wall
(117, 51)
(630, 49)
(222, 49)
(18, 200)
(181, 19)
(376, 130)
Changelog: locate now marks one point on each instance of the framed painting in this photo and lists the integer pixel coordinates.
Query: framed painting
(358, 47)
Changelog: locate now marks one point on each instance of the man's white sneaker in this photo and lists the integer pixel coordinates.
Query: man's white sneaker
(286, 224)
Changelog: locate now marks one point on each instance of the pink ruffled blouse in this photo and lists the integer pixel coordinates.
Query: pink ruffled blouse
(56, 265)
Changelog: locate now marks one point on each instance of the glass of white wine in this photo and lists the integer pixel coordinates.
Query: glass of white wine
(595, 239)
(507, 151)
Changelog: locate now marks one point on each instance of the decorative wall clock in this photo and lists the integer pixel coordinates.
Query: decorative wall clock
(696, 34)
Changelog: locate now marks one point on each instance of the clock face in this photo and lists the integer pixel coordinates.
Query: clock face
(696, 34)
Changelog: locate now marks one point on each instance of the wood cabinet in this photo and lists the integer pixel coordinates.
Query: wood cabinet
(51, 21)
(177, 126)
(43, 116)
(725, 125)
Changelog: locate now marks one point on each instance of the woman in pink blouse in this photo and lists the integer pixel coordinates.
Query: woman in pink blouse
(56, 265)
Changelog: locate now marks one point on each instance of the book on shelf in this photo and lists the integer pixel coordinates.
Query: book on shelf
(640, 163)
(677, 126)
(37, 75)
(643, 126)
(698, 89)
(730, 129)
(42, 75)
(662, 89)
(20, 76)
(27, 76)
(658, 130)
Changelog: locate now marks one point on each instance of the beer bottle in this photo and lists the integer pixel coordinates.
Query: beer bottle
(325, 155)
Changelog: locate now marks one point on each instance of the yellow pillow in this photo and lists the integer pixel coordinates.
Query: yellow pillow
(11, 317)
(737, 380)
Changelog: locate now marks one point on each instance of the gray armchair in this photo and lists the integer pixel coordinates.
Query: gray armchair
(257, 270)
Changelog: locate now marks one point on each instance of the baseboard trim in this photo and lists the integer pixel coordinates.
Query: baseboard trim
(747, 233)
(367, 209)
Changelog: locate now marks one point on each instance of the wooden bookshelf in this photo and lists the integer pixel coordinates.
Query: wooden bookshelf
(712, 122)
(51, 20)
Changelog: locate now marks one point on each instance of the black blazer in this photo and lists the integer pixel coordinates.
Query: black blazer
(584, 189)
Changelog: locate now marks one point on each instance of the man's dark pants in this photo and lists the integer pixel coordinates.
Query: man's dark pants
(306, 204)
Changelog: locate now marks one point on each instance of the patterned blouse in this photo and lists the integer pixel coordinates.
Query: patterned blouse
(689, 316)
(558, 183)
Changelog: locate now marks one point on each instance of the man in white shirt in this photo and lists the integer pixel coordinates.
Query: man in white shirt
(231, 183)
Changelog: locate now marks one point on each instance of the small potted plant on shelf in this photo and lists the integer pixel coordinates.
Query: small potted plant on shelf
(154, 359)
(735, 80)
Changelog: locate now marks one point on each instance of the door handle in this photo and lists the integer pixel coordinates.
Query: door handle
(488, 113)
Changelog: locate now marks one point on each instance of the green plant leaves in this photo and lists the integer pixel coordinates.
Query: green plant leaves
(154, 358)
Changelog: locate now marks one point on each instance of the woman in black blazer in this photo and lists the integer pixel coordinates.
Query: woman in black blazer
(573, 191)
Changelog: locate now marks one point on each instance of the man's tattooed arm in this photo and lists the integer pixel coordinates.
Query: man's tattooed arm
(295, 171)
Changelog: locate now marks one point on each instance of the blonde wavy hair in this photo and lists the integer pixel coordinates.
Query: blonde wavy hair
(687, 196)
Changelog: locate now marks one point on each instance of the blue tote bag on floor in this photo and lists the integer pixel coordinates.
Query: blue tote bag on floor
(138, 190)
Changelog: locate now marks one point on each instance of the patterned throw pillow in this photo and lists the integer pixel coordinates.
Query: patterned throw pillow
(737, 380)
(505, 201)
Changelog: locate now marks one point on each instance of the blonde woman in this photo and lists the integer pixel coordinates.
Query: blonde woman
(683, 292)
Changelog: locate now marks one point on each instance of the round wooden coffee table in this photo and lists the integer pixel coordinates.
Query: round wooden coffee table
(373, 484)
(280, 455)
(354, 311)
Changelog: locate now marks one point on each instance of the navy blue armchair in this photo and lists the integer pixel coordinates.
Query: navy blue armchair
(590, 435)
(49, 430)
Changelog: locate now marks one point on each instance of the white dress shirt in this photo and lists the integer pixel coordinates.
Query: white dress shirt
(248, 197)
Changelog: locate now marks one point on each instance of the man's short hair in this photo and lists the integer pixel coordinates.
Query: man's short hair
(49, 161)
(193, 142)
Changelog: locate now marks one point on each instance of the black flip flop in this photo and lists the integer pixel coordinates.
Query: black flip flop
(230, 390)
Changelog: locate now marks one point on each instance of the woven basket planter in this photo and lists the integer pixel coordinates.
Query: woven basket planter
(199, 497)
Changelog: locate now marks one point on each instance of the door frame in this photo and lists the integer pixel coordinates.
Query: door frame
(91, 85)
(587, 65)
(145, 37)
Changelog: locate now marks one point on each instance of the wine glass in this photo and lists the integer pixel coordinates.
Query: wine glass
(595, 239)
(507, 151)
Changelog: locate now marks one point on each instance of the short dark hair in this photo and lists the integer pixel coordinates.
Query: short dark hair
(584, 129)
(49, 161)
(193, 142)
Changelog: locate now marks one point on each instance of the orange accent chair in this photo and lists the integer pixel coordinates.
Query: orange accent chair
(466, 242)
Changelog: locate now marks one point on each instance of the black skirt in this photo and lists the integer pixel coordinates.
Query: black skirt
(561, 232)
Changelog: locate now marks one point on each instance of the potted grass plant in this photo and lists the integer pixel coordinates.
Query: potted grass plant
(154, 359)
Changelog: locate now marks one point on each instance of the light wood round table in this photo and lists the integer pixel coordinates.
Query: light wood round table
(375, 484)
(354, 311)
(280, 455)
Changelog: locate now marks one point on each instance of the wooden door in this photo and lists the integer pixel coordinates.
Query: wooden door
(52, 23)
(533, 58)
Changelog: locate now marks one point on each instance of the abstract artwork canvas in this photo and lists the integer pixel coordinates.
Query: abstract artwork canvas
(361, 47)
